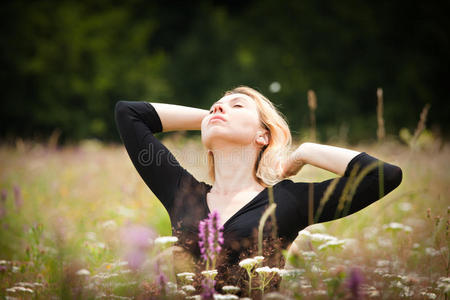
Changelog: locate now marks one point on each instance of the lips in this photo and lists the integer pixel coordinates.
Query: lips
(217, 117)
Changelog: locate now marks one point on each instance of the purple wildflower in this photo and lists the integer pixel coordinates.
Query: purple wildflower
(4, 195)
(136, 241)
(354, 283)
(18, 196)
(161, 279)
(211, 237)
(208, 289)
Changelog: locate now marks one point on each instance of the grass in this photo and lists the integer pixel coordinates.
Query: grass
(67, 212)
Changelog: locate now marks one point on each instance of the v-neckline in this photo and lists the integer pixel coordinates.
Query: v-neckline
(208, 188)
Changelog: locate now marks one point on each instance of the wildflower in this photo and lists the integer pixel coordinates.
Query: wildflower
(266, 274)
(443, 283)
(291, 273)
(110, 224)
(165, 240)
(225, 297)
(332, 244)
(395, 227)
(354, 283)
(259, 259)
(317, 237)
(383, 263)
(4, 195)
(309, 255)
(208, 288)
(275, 296)
(405, 206)
(186, 277)
(429, 295)
(92, 236)
(18, 199)
(230, 289)
(248, 263)
(210, 238)
(188, 288)
(16, 289)
(209, 273)
(431, 251)
(83, 272)
(136, 238)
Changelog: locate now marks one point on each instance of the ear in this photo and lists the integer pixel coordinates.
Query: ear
(262, 138)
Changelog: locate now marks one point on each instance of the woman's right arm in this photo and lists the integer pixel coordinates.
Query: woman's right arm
(137, 122)
(177, 117)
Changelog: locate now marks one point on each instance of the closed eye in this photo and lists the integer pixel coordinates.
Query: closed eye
(238, 105)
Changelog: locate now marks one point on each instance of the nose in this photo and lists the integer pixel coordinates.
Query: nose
(218, 107)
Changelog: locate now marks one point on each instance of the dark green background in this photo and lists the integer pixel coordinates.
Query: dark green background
(64, 64)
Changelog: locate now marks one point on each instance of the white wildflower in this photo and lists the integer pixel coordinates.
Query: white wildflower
(316, 269)
(248, 263)
(91, 236)
(126, 212)
(267, 270)
(188, 288)
(394, 226)
(194, 297)
(209, 273)
(319, 293)
(332, 244)
(384, 242)
(309, 255)
(383, 263)
(83, 272)
(225, 297)
(230, 289)
(164, 240)
(16, 289)
(431, 251)
(110, 224)
(187, 276)
(290, 273)
(429, 295)
(405, 206)
(258, 258)
(443, 283)
(275, 296)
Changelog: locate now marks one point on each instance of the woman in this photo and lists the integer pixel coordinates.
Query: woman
(247, 141)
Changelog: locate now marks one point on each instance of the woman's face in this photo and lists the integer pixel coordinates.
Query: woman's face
(233, 119)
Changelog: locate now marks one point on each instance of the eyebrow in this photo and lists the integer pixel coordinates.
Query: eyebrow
(232, 100)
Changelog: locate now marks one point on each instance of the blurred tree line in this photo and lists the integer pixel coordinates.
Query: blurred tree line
(64, 64)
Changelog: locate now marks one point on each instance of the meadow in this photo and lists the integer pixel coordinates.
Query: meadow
(72, 218)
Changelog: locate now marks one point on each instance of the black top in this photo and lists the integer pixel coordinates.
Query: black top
(184, 197)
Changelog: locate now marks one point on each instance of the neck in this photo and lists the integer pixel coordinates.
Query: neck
(234, 169)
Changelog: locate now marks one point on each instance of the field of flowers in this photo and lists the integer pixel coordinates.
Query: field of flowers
(78, 222)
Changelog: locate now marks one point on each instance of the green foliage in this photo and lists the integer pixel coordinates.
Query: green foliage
(66, 63)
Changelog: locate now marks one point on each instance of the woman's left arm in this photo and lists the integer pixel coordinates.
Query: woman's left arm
(330, 158)
(364, 179)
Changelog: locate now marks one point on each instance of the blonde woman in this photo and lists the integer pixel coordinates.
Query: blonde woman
(248, 143)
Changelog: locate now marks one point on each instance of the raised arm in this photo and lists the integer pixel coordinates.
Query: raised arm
(364, 180)
(177, 117)
(137, 122)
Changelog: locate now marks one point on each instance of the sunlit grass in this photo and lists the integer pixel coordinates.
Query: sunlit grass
(67, 210)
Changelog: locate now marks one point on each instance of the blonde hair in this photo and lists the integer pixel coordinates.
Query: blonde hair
(266, 167)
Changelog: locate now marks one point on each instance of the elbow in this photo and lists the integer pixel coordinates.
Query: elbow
(394, 178)
(120, 108)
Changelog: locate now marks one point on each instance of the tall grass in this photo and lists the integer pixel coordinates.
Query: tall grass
(69, 215)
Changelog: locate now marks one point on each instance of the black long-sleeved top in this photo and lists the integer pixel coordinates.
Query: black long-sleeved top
(184, 197)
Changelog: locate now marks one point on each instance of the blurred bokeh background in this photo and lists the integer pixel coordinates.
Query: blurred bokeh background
(64, 64)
